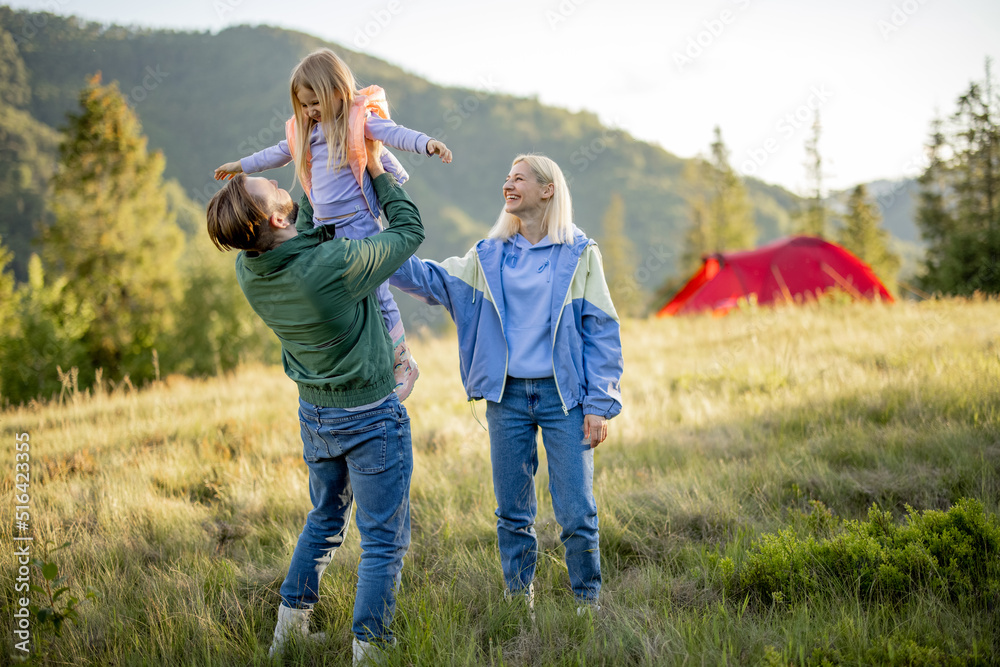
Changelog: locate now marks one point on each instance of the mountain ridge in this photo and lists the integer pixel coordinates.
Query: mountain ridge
(201, 116)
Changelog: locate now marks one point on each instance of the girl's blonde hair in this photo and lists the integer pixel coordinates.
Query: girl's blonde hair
(324, 73)
(558, 219)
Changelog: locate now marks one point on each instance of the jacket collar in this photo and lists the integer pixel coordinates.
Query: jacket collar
(270, 261)
(490, 252)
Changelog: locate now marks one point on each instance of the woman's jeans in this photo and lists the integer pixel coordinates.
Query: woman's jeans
(365, 457)
(526, 406)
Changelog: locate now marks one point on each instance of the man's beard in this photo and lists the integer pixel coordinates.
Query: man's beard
(265, 239)
(268, 239)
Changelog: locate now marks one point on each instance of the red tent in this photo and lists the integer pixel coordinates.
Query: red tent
(785, 270)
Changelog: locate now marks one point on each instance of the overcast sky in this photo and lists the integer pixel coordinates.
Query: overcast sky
(877, 71)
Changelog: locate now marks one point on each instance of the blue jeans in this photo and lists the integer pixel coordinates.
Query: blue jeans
(526, 406)
(365, 457)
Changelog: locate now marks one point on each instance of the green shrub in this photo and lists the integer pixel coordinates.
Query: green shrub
(955, 554)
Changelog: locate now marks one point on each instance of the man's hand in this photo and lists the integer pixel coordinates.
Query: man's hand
(595, 429)
(227, 171)
(435, 147)
(374, 150)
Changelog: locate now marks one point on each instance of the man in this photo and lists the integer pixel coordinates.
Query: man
(317, 293)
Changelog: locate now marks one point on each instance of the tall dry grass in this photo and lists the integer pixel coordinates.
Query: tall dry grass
(182, 501)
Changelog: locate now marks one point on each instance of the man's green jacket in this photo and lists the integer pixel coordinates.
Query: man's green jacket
(316, 293)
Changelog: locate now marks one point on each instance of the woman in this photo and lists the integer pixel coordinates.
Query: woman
(539, 340)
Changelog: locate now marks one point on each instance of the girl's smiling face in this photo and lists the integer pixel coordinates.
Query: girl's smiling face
(311, 106)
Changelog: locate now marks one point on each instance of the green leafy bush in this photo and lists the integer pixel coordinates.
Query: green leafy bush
(955, 554)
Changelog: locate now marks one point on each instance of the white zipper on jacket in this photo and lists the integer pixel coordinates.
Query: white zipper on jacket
(506, 350)
(555, 330)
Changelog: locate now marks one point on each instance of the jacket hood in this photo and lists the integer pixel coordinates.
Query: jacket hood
(486, 247)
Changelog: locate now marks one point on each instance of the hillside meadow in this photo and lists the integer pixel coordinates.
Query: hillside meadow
(798, 486)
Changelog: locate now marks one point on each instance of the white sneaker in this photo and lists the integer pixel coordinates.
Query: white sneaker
(405, 370)
(366, 653)
(292, 623)
(529, 598)
(588, 608)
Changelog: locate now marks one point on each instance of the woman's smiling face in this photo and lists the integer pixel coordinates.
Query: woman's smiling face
(522, 192)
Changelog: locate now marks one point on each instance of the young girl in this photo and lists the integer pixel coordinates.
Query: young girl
(326, 139)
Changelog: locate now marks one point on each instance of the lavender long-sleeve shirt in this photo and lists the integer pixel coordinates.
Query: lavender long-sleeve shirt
(335, 192)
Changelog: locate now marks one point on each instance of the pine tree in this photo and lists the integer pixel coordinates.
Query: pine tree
(619, 255)
(721, 215)
(699, 238)
(812, 220)
(731, 204)
(959, 213)
(936, 222)
(26, 163)
(14, 90)
(113, 238)
(863, 235)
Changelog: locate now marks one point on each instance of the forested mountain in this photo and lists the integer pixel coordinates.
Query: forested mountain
(204, 99)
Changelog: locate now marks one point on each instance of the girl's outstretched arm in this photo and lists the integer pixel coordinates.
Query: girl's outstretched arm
(403, 138)
(435, 147)
(228, 170)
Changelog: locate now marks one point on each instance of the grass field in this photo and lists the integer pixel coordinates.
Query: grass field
(735, 494)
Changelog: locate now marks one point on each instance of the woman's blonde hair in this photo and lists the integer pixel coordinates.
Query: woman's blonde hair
(324, 73)
(558, 219)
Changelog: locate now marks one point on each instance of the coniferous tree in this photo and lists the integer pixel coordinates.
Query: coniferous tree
(113, 238)
(14, 90)
(730, 205)
(864, 236)
(959, 213)
(720, 212)
(936, 222)
(619, 257)
(699, 238)
(812, 221)
(26, 163)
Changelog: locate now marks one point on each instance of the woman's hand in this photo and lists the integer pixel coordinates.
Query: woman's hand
(228, 170)
(595, 429)
(435, 147)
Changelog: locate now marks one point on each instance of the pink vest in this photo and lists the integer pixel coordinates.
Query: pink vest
(370, 99)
